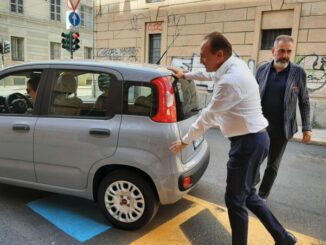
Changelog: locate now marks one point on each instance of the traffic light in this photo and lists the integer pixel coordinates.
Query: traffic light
(75, 41)
(6, 47)
(1, 48)
(66, 40)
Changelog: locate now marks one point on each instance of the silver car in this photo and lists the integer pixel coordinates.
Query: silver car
(100, 131)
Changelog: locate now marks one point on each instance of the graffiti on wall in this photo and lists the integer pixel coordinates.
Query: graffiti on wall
(315, 67)
(132, 25)
(155, 26)
(129, 54)
(178, 21)
(134, 22)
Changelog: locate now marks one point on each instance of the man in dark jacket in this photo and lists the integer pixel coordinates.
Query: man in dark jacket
(281, 85)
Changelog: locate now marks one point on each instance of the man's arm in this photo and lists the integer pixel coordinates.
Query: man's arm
(304, 106)
(195, 75)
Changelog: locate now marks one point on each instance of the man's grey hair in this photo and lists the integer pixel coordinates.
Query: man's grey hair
(283, 38)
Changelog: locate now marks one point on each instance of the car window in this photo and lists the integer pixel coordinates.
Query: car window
(186, 98)
(139, 99)
(18, 92)
(82, 94)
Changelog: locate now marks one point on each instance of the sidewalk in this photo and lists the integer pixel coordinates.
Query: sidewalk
(318, 136)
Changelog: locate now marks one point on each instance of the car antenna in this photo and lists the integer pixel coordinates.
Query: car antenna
(158, 62)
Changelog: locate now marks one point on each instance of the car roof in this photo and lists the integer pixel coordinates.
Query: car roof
(147, 71)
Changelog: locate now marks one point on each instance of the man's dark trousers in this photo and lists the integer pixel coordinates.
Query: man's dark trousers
(278, 144)
(245, 157)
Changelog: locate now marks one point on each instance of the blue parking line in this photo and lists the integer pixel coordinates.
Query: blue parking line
(77, 217)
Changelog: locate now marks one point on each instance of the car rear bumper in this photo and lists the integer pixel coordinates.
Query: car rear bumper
(195, 173)
(170, 188)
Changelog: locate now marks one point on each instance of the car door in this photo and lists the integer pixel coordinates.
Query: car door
(17, 123)
(75, 132)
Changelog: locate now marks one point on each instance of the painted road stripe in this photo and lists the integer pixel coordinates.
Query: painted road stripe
(77, 217)
(171, 232)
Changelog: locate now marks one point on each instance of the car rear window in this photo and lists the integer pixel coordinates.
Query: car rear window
(186, 98)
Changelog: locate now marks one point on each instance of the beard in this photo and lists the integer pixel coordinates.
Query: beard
(281, 63)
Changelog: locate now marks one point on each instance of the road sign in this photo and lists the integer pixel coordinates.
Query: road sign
(74, 19)
(73, 4)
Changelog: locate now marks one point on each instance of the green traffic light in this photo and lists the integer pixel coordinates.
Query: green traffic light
(70, 41)
(66, 41)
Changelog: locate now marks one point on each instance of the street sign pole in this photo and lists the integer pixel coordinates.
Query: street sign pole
(73, 21)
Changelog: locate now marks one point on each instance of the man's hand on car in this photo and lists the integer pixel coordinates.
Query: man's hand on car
(177, 72)
(177, 146)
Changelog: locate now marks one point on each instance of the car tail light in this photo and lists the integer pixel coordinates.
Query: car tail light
(186, 182)
(167, 111)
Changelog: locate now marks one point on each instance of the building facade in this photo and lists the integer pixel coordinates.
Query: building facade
(33, 28)
(170, 32)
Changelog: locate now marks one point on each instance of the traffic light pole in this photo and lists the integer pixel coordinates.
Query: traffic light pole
(2, 51)
(71, 51)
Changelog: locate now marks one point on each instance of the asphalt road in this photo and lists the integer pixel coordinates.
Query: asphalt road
(298, 199)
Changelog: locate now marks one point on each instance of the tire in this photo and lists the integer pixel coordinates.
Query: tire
(127, 200)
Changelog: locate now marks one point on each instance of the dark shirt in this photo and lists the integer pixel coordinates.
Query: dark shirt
(273, 100)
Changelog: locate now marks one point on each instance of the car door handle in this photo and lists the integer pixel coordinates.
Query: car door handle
(100, 131)
(21, 127)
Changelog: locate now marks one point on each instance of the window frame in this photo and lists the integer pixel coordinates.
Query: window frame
(151, 49)
(86, 16)
(267, 43)
(55, 48)
(17, 4)
(17, 48)
(154, 1)
(88, 53)
(55, 14)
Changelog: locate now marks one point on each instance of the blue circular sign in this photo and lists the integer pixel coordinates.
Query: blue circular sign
(74, 19)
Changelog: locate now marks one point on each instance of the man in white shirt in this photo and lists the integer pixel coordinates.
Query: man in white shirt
(236, 108)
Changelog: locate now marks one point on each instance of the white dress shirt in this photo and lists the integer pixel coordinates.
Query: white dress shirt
(235, 104)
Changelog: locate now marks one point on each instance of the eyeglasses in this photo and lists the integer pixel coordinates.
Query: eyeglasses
(28, 90)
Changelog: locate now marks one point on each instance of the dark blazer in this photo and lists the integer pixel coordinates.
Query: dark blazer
(296, 89)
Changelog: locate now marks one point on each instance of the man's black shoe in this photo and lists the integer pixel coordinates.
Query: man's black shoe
(289, 239)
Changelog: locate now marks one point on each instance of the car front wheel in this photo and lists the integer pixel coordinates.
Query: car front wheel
(127, 200)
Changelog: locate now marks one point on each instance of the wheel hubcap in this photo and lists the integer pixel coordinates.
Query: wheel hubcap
(124, 201)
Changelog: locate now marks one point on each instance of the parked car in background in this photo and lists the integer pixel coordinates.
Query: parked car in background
(101, 131)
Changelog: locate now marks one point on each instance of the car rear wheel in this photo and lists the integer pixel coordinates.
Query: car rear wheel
(127, 200)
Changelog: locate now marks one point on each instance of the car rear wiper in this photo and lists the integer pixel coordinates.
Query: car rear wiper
(196, 109)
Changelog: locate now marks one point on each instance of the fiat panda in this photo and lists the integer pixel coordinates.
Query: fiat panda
(101, 131)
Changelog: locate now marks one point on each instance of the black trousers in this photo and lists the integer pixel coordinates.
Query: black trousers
(277, 147)
(245, 157)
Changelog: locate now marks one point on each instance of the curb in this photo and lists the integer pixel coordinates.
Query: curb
(314, 141)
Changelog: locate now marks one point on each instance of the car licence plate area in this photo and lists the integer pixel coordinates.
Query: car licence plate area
(196, 143)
